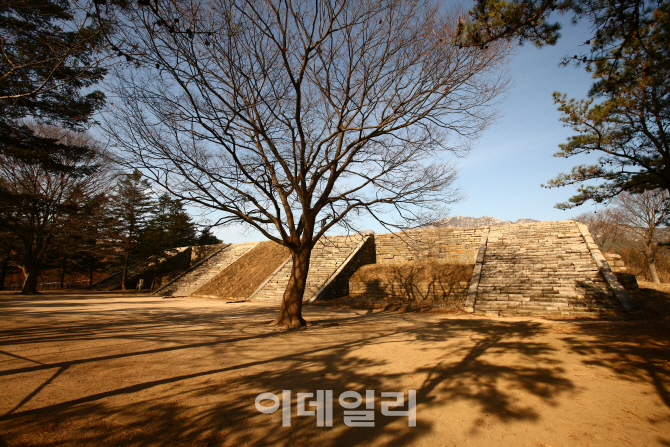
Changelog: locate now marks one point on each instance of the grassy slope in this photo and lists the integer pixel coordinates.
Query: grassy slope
(239, 280)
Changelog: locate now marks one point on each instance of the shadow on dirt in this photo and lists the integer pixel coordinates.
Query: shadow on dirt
(213, 403)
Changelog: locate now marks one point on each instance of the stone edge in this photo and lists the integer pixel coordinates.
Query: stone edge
(268, 279)
(336, 273)
(477, 272)
(236, 259)
(605, 269)
(190, 269)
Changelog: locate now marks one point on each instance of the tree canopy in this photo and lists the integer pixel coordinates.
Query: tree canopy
(50, 58)
(167, 227)
(643, 214)
(295, 117)
(49, 55)
(38, 203)
(625, 118)
(130, 205)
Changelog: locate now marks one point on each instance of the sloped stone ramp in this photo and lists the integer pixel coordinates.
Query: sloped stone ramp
(204, 271)
(544, 269)
(328, 258)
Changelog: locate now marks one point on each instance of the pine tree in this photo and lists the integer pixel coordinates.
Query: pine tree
(51, 53)
(130, 207)
(169, 227)
(626, 117)
(207, 238)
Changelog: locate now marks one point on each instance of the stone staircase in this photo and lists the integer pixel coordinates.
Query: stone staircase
(203, 272)
(543, 269)
(328, 256)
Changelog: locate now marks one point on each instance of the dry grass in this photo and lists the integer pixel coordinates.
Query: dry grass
(244, 276)
(416, 287)
(416, 271)
(393, 304)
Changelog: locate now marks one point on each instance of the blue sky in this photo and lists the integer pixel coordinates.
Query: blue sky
(507, 165)
(502, 175)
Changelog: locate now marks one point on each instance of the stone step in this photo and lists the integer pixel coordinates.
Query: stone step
(543, 270)
(327, 256)
(194, 279)
(601, 315)
(535, 305)
(552, 299)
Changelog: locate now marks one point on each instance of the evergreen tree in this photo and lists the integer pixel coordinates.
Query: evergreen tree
(207, 238)
(131, 205)
(626, 120)
(50, 54)
(81, 249)
(169, 227)
(627, 115)
(615, 23)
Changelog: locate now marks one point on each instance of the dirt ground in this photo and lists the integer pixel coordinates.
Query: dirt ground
(132, 370)
(654, 300)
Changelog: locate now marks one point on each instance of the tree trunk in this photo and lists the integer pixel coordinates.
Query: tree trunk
(652, 270)
(124, 277)
(650, 254)
(153, 280)
(62, 272)
(3, 274)
(90, 273)
(290, 314)
(31, 272)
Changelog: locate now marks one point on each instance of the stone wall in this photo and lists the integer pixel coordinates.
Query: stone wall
(340, 286)
(618, 266)
(175, 262)
(447, 245)
(328, 255)
(443, 245)
(198, 253)
(416, 282)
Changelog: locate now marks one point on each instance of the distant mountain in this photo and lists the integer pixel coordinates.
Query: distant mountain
(472, 222)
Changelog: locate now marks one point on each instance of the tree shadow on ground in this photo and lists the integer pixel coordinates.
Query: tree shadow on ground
(204, 393)
(634, 352)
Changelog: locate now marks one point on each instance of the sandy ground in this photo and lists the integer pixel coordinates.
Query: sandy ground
(111, 369)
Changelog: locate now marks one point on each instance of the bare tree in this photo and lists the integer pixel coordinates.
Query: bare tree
(293, 117)
(39, 200)
(606, 226)
(644, 213)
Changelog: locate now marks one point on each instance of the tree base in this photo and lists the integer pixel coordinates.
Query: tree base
(28, 292)
(290, 323)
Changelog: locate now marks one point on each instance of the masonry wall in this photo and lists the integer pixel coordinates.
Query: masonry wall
(340, 286)
(177, 261)
(416, 282)
(447, 245)
(198, 253)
